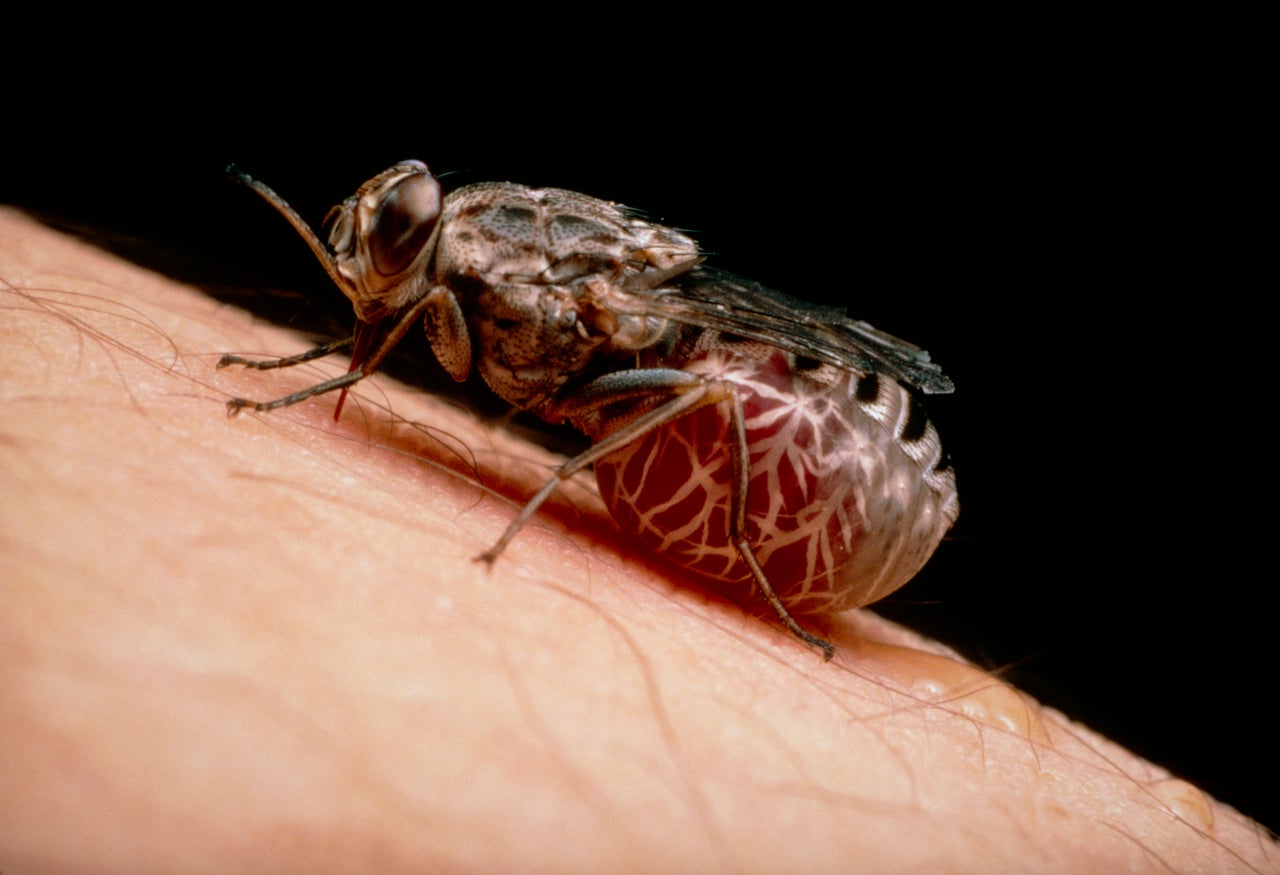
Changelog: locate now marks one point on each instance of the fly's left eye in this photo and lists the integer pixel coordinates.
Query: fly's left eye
(405, 218)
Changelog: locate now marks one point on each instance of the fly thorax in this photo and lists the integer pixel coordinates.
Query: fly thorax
(599, 313)
(530, 340)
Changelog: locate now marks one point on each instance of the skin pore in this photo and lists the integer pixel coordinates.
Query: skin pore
(261, 643)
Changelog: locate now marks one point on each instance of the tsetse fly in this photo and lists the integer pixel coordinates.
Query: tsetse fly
(753, 439)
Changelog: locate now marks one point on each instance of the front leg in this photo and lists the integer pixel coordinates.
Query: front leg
(288, 361)
(344, 382)
(235, 405)
(369, 346)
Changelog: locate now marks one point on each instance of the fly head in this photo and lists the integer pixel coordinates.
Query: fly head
(383, 237)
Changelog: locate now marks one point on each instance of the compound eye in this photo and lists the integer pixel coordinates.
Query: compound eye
(403, 222)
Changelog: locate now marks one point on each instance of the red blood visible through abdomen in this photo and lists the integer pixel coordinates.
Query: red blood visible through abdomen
(670, 488)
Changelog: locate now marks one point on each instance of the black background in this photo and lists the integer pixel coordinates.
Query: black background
(1073, 216)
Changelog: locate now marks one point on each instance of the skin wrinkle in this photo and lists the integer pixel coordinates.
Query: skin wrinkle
(276, 646)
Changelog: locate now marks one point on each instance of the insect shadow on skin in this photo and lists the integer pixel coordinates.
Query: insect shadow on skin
(763, 443)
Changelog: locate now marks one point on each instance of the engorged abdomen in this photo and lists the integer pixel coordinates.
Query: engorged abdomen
(847, 496)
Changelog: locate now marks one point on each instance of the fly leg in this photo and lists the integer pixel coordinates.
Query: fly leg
(369, 348)
(235, 405)
(344, 382)
(689, 393)
(289, 361)
(740, 465)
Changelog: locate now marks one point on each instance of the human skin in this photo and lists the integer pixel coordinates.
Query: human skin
(261, 644)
